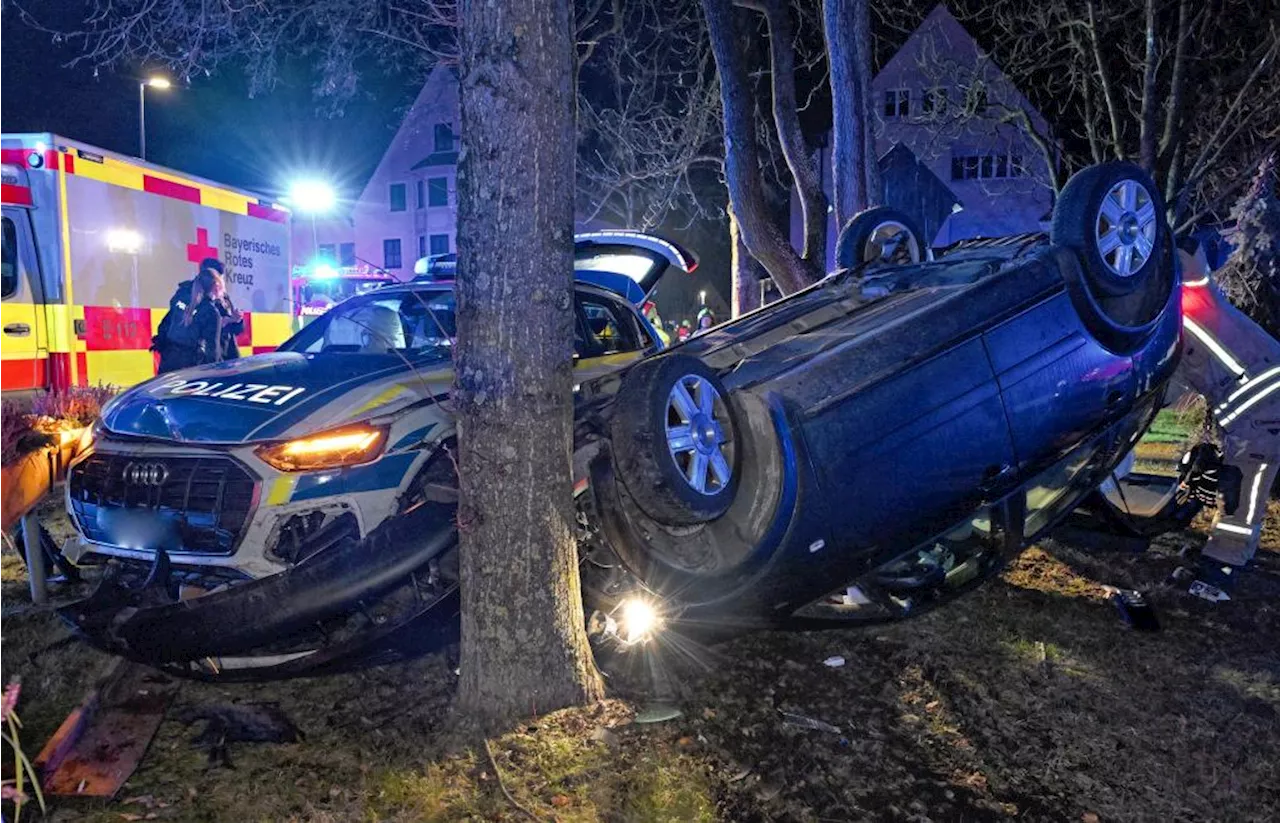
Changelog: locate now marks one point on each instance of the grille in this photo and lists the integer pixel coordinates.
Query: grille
(191, 504)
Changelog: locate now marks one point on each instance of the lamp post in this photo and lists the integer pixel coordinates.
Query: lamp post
(155, 83)
(313, 197)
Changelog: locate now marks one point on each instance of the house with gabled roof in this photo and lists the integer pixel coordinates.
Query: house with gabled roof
(953, 147)
(408, 208)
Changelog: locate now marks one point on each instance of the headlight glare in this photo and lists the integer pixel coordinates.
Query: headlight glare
(345, 446)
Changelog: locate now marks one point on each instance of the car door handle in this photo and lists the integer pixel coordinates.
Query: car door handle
(17, 329)
(1115, 398)
(995, 477)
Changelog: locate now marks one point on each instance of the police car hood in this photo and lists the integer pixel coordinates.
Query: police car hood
(279, 395)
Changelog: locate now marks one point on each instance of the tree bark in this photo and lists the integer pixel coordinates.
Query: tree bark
(524, 645)
(746, 273)
(1148, 117)
(1170, 137)
(1104, 81)
(870, 157)
(802, 163)
(761, 234)
(848, 126)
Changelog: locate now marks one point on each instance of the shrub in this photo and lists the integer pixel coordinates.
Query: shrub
(79, 405)
(20, 433)
(1251, 277)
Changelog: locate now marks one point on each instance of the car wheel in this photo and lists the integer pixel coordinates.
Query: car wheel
(880, 236)
(1113, 216)
(674, 443)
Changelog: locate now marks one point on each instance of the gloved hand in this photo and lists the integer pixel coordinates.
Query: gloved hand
(1201, 473)
(1203, 486)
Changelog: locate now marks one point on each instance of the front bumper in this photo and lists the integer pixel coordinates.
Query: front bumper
(216, 507)
(145, 617)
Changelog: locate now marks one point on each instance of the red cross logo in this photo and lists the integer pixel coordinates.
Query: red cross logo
(201, 249)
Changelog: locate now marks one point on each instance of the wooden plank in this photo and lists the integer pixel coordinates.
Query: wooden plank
(103, 740)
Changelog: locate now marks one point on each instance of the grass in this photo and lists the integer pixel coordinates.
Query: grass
(1027, 699)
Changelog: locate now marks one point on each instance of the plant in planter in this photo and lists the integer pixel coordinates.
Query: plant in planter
(76, 407)
(39, 442)
(19, 433)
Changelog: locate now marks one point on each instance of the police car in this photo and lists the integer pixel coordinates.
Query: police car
(233, 471)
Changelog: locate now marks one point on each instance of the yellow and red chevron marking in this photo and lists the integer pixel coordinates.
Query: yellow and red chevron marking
(131, 176)
(121, 173)
(114, 348)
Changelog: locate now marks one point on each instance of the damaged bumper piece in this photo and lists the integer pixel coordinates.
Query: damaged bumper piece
(352, 603)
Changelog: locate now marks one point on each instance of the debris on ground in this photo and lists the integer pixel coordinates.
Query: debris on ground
(103, 740)
(801, 722)
(229, 723)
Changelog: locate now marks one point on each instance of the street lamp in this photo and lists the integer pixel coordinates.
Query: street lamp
(157, 82)
(313, 197)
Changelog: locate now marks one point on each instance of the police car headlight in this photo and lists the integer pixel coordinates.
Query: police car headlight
(345, 446)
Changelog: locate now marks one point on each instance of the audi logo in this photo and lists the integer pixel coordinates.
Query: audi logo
(146, 474)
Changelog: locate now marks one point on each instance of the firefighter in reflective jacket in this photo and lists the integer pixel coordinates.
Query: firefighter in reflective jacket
(1235, 364)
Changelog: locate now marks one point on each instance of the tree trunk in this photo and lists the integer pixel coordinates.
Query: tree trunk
(524, 645)
(848, 143)
(870, 157)
(803, 164)
(855, 173)
(1148, 116)
(765, 238)
(746, 273)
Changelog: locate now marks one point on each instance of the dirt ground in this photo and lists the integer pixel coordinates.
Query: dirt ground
(1028, 699)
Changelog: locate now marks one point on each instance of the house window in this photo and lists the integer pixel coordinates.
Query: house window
(391, 254)
(966, 165)
(421, 200)
(422, 246)
(326, 252)
(935, 101)
(346, 254)
(439, 244)
(444, 137)
(438, 191)
(897, 103)
(397, 197)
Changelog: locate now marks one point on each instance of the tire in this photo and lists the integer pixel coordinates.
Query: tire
(861, 238)
(1112, 215)
(676, 479)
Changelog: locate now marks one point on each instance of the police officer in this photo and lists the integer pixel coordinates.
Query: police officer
(1235, 364)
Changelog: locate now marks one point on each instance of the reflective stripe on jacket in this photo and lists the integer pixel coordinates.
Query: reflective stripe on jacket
(1226, 357)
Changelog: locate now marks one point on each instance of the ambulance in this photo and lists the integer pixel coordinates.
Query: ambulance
(95, 243)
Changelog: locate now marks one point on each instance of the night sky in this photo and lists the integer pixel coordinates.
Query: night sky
(210, 128)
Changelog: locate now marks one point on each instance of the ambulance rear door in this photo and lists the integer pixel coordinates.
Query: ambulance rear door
(24, 353)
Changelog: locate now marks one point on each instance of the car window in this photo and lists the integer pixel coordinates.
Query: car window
(607, 328)
(405, 322)
(10, 265)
